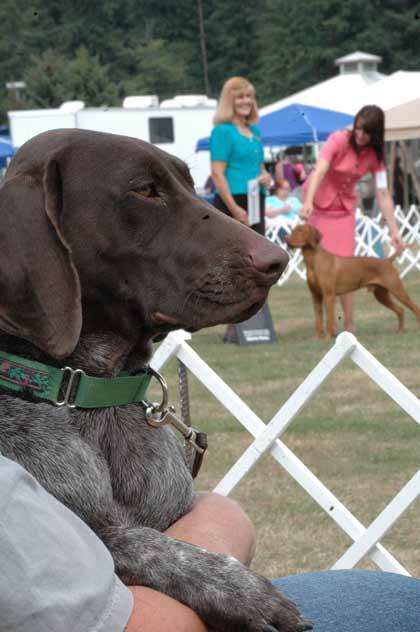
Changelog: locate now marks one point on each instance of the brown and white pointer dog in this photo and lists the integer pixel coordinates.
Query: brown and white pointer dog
(105, 247)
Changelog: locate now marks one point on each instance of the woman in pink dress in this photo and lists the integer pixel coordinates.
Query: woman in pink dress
(330, 192)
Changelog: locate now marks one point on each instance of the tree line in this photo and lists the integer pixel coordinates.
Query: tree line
(100, 51)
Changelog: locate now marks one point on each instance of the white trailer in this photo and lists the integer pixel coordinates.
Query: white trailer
(175, 126)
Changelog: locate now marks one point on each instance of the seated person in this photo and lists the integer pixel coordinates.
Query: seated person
(56, 574)
(282, 203)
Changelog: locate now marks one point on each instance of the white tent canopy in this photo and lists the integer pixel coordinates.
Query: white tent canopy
(343, 92)
(358, 84)
(400, 87)
(403, 121)
(349, 92)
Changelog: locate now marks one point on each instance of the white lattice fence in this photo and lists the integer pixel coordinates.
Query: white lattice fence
(372, 240)
(410, 227)
(276, 230)
(267, 439)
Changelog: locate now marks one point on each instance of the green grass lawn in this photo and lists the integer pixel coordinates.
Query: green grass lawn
(351, 435)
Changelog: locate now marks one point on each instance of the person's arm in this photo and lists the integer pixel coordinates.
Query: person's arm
(221, 148)
(55, 572)
(218, 168)
(155, 612)
(286, 208)
(302, 174)
(386, 205)
(264, 178)
(270, 211)
(336, 142)
(317, 176)
(215, 523)
(273, 212)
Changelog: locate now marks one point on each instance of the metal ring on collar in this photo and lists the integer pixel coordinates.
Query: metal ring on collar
(162, 407)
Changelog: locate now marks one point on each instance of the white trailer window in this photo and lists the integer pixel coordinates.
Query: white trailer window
(161, 130)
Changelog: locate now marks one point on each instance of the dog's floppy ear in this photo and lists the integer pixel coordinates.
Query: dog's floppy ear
(314, 236)
(39, 286)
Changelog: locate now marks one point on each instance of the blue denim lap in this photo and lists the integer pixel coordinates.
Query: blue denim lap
(356, 600)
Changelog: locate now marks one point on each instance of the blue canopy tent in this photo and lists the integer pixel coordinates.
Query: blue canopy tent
(295, 125)
(6, 150)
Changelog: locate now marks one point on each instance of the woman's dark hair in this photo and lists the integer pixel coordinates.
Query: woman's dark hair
(372, 119)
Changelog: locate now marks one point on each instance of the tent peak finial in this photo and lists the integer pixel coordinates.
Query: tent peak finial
(358, 62)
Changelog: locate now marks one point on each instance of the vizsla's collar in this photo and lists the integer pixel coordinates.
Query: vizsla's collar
(71, 387)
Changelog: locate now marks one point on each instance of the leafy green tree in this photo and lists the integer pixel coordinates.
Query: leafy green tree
(232, 43)
(90, 80)
(45, 80)
(52, 79)
(159, 69)
(101, 51)
(299, 40)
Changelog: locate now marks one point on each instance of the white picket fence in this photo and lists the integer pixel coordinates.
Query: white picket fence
(372, 240)
(366, 540)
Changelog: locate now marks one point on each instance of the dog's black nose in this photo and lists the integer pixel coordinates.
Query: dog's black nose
(269, 259)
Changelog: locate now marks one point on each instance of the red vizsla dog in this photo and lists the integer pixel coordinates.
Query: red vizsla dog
(329, 276)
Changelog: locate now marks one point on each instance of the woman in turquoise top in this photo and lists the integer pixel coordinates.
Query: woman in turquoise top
(236, 151)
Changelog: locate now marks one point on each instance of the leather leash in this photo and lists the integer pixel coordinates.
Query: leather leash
(194, 458)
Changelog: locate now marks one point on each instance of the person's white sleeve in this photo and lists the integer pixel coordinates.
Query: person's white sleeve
(55, 574)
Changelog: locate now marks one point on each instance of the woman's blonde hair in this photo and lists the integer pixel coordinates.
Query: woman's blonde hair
(232, 88)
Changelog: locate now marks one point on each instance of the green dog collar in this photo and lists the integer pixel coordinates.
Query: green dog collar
(80, 390)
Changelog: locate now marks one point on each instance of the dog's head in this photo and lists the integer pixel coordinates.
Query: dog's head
(304, 236)
(107, 231)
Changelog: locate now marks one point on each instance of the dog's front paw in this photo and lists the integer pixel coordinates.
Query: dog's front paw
(274, 613)
(250, 603)
(226, 595)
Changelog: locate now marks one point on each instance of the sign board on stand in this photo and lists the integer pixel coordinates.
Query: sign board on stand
(256, 330)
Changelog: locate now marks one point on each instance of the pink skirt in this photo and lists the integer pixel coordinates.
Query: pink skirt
(338, 230)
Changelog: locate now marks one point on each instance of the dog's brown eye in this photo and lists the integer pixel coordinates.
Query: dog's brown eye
(147, 191)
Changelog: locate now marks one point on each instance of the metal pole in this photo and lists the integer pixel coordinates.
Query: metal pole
(203, 47)
(314, 134)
